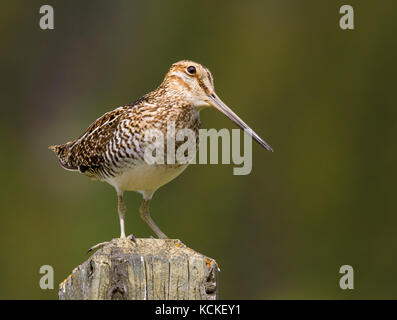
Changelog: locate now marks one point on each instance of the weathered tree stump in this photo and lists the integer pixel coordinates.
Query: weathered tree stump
(153, 269)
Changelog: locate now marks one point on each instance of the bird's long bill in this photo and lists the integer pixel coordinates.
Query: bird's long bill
(236, 119)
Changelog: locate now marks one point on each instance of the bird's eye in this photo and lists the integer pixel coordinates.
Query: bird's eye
(191, 70)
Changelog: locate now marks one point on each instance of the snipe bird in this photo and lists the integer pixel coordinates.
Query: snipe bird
(112, 148)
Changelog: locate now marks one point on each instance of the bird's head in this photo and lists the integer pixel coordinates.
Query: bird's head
(194, 83)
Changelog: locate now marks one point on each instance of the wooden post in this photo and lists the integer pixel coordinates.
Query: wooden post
(152, 269)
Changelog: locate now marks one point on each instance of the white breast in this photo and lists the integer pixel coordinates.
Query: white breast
(144, 177)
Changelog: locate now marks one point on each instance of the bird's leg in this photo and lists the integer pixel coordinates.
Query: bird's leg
(145, 214)
(121, 208)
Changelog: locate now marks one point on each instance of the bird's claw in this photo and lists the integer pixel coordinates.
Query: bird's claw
(97, 246)
(131, 237)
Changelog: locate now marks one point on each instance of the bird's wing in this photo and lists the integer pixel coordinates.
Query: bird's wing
(88, 151)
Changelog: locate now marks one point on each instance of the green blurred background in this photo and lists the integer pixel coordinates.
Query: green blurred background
(322, 97)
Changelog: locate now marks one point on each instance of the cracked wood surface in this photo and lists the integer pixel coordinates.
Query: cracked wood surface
(150, 269)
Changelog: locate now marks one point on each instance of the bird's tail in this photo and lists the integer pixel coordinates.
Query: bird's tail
(55, 148)
(62, 153)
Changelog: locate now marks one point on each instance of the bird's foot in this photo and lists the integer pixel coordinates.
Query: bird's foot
(131, 237)
(97, 246)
